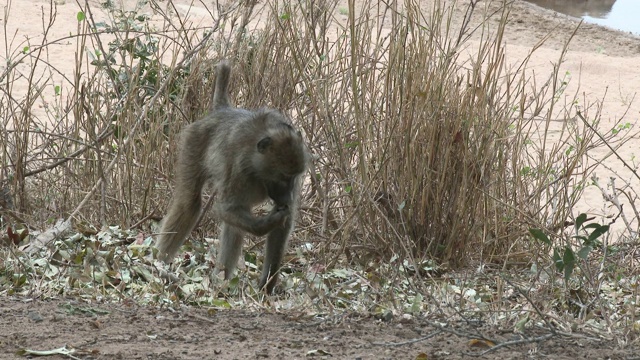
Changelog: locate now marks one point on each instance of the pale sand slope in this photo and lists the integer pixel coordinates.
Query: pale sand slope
(599, 61)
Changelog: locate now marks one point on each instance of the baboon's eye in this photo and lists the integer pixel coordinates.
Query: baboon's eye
(264, 144)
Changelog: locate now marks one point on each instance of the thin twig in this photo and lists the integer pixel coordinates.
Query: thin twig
(513, 342)
(533, 305)
(579, 114)
(412, 341)
(71, 156)
(142, 220)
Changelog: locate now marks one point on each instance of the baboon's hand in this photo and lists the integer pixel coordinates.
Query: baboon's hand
(279, 216)
(257, 226)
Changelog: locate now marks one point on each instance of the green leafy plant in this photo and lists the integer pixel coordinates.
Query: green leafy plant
(567, 258)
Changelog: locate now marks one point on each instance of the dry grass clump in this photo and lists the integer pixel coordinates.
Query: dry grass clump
(421, 150)
(427, 143)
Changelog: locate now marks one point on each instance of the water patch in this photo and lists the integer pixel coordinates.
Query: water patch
(617, 14)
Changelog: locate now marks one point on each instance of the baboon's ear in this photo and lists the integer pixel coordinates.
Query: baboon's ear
(264, 144)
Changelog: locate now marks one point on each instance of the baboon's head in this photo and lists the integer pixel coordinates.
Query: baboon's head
(282, 158)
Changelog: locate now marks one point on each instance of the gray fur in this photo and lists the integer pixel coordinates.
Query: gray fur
(247, 157)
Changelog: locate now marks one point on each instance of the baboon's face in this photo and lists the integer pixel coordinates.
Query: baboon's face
(281, 192)
(284, 159)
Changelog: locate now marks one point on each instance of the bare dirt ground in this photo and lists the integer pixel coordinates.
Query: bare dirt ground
(605, 58)
(107, 331)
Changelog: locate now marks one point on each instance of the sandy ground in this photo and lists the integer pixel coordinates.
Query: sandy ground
(129, 332)
(604, 68)
(601, 62)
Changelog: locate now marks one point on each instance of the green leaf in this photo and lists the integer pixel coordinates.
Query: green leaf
(56, 89)
(81, 16)
(584, 252)
(233, 283)
(19, 279)
(568, 257)
(580, 220)
(520, 325)
(250, 257)
(597, 232)
(25, 49)
(416, 306)
(568, 270)
(221, 303)
(581, 237)
(558, 260)
(569, 260)
(347, 189)
(540, 236)
(285, 16)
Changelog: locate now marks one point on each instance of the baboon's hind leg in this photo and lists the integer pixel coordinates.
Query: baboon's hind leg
(177, 225)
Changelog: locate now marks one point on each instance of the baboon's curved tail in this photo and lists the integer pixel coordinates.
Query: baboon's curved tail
(221, 92)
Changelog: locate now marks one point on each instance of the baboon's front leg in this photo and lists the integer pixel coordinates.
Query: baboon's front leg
(230, 249)
(276, 244)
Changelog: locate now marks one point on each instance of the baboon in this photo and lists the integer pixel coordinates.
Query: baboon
(247, 157)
